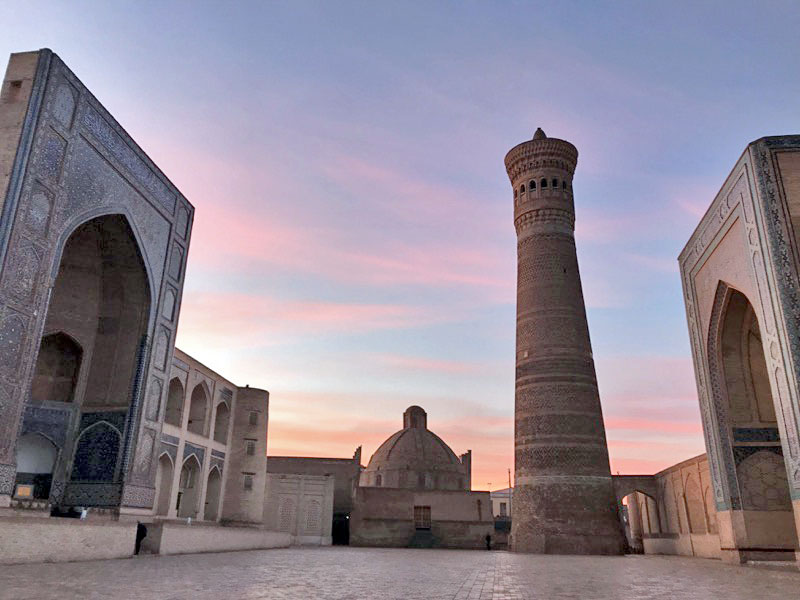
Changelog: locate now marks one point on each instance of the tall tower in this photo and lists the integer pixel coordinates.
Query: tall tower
(564, 499)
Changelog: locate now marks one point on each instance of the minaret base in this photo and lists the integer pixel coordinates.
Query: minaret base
(569, 544)
(566, 518)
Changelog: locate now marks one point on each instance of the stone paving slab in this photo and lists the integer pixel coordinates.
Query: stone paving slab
(384, 574)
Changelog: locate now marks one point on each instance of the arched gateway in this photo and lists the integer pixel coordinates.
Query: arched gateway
(741, 282)
(93, 240)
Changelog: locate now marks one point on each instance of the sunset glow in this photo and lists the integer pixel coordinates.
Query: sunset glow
(353, 249)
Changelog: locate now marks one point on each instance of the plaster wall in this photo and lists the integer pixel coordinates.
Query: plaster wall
(178, 538)
(247, 505)
(34, 540)
(677, 522)
(385, 517)
(345, 473)
(502, 497)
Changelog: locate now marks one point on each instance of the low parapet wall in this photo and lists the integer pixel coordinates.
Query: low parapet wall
(179, 538)
(34, 540)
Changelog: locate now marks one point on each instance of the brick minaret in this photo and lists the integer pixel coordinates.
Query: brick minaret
(564, 499)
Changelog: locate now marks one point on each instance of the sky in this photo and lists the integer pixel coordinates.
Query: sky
(353, 249)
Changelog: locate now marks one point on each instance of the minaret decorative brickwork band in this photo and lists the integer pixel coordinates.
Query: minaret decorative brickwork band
(564, 500)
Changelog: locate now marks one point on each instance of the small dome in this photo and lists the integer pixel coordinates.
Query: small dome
(415, 457)
(540, 134)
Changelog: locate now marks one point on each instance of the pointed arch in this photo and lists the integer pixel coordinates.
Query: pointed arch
(198, 409)
(175, 400)
(213, 492)
(695, 509)
(189, 486)
(36, 456)
(58, 364)
(87, 216)
(741, 398)
(164, 477)
(221, 422)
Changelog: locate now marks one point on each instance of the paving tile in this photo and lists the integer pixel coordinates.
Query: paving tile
(394, 574)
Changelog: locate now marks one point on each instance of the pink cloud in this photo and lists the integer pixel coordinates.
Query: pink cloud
(219, 317)
(419, 363)
(654, 263)
(230, 236)
(647, 425)
(641, 466)
(404, 194)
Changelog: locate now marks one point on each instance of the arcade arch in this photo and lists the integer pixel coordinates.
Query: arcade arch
(221, 422)
(189, 488)
(213, 489)
(174, 413)
(198, 410)
(164, 476)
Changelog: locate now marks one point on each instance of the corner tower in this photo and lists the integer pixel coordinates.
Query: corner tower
(564, 500)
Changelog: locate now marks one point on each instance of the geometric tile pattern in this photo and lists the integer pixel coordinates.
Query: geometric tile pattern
(763, 482)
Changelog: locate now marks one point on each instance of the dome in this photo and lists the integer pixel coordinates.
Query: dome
(417, 458)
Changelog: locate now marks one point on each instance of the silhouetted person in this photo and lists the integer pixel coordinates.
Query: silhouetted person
(141, 533)
(488, 541)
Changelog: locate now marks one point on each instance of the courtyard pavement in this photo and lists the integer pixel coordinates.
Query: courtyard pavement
(362, 573)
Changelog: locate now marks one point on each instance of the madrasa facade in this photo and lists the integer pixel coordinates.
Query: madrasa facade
(100, 415)
(102, 418)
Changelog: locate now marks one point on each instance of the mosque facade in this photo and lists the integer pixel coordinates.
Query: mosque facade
(740, 270)
(741, 282)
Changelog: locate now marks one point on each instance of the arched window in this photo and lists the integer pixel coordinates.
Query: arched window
(378, 480)
(57, 369)
(197, 410)
(563, 185)
(174, 414)
(221, 421)
(543, 183)
(555, 183)
(531, 185)
(522, 189)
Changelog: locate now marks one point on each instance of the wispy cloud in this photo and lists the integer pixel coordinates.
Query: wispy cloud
(256, 319)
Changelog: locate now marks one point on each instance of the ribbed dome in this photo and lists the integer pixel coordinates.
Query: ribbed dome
(415, 457)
